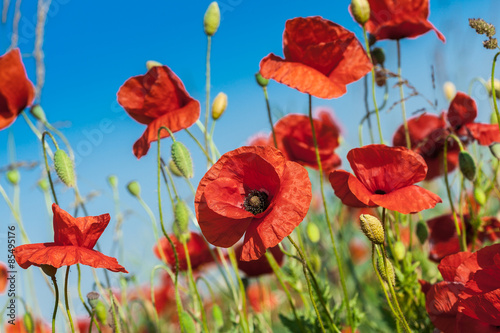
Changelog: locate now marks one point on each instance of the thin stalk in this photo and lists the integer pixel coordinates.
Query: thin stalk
(270, 116)
(367, 109)
(402, 96)
(200, 145)
(244, 314)
(493, 90)
(47, 163)
(66, 299)
(117, 327)
(207, 90)
(389, 302)
(55, 304)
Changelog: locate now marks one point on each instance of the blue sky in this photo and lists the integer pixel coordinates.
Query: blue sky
(92, 47)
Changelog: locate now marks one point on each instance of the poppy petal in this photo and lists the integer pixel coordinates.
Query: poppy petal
(484, 307)
(342, 181)
(407, 200)
(229, 199)
(449, 266)
(462, 110)
(485, 134)
(441, 303)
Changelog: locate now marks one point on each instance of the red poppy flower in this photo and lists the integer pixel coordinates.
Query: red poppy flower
(157, 99)
(198, 250)
(321, 58)
(254, 191)
(3, 277)
(260, 266)
(384, 176)
(295, 140)
(399, 19)
(74, 239)
(16, 90)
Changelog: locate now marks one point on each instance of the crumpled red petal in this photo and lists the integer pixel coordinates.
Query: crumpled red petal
(441, 302)
(342, 182)
(462, 110)
(407, 200)
(485, 134)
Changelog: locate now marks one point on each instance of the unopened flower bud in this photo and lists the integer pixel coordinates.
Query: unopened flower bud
(49, 270)
(113, 181)
(173, 168)
(37, 112)
(495, 149)
(28, 323)
(372, 228)
(93, 298)
(134, 188)
(479, 195)
(467, 165)
(313, 232)
(219, 105)
(218, 317)
(182, 159)
(315, 262)
(43, 184)
(449, 90)
(101, 312)
(422, 232)
(13, 176)
(378, 56)
(64, 168)
(261, 81)
(181, 214)
(497, 88)
(399, 251)
(211, 20)
(388, 276)
(187, 323)
(360, 11)
(151, 63)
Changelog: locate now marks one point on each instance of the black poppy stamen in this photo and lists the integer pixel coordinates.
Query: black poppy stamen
(255, 202)
(379, 192)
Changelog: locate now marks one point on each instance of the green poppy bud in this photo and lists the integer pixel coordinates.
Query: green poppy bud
(467, 165)
(28, 322)
(49, 270)
(173, 168)
(261, 81)
(134, 188)
(37, 112)
(372, 228)
(211, 20)
(360, 11)
(313, 232)
(479, 195)
(187, 323)
(113, 181)
(399, 251)
(151, 63)
(315, 262)
(101, 312)
(181, 219)
(182, 159)
(389, 275)
(13, 176)
(218, 317)
(422, 232)
(64, 168)
(93, 298)
(219, 105)
(378, 56)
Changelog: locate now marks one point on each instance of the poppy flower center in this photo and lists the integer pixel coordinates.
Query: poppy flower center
(255, 202)
(379, 192)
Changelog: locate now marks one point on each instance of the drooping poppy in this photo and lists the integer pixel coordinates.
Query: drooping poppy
(384, 176)
(74, 240)
(157, 99)
(428, 133)
(399, 19)
(295, 140)
(199, 252)
(3, 277)
(16, 90)
(252, 191)
(260, 266)
(321, 58)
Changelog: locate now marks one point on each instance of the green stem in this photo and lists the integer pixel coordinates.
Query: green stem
(373, 87)
(243, 311)
(389, 302)
(493, 90)
(66, 299)
(327, 217)
(367, 116)
(270, 116)
(199, 145)
(63, 138)
(47, 163)
(55, 304)
(402, 96)
(207, 90)
(117, 328)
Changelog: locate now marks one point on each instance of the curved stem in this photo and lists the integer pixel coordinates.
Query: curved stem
(66, 297)
(200, 145)
(117, 327)
(55, 304)
(47, 163)
(493, 90)
(402, 96)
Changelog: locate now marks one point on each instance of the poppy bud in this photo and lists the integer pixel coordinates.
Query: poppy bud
(187, 323)
(218, 317)
(28, 322)
(173, 168)
(315, 262)
(113, 181)
(261, 81)
(378, 56)
(497, 88)
(479, 195)
(422, 232)
(467, 165)
(390, 276)
(49, 270)
(211, 20)
(372, 228)
(182, 159)
(219, 105)
(360, 11)
(495, 149)
(399, 251)
(449, 90)
(151, 63)
(37, 112)
(13, 176)
(64, 168)
(134, 188)
(101, 312)
(43, 184)
(313, 232)
(93, 298)
(181, 219)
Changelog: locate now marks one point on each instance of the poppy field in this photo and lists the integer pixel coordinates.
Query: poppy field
(311, 225)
